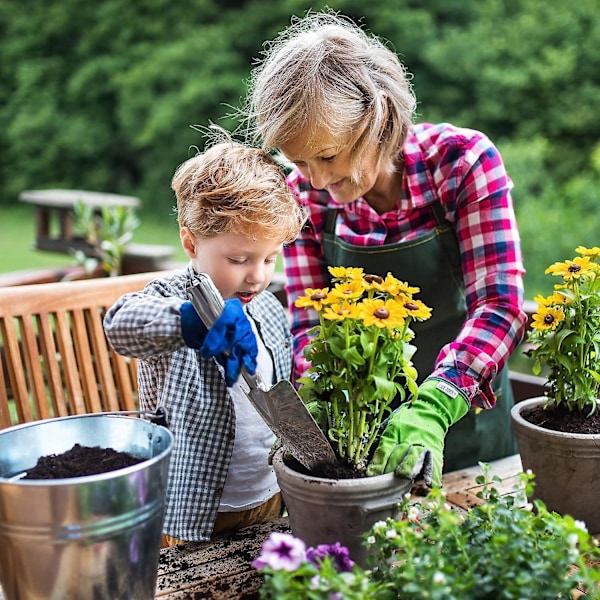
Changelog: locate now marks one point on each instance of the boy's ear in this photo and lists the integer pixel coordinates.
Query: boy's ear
(188, 242)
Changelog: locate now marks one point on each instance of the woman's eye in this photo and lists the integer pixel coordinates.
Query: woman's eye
(328, 158)
(270, 261)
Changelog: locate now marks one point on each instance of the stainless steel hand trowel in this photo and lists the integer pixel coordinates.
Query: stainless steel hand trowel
(281, 407)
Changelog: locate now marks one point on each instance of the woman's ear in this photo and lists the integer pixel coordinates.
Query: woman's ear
(188, 242)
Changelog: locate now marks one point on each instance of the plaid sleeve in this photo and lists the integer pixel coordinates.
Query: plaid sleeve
(305, 266)
(477, 194)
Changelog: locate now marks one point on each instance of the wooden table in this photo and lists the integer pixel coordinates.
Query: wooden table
(55, 210)
(221, 569)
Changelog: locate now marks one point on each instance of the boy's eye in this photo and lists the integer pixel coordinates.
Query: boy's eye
(237, 261)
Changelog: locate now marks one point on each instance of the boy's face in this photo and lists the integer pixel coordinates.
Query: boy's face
(239, 266)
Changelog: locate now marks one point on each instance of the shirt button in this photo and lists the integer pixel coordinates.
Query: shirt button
(231, 435)
(218, 491)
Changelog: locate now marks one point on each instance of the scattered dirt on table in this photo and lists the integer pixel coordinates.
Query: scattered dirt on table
(558, 418)
(80, 461)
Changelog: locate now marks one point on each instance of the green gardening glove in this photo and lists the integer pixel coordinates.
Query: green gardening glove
(412, 443)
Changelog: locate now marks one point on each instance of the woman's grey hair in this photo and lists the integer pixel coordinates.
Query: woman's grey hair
(324, 71)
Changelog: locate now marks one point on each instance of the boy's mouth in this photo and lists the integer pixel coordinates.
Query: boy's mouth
(246, 297)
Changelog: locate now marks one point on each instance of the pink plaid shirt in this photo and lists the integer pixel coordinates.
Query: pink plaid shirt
(473, 188)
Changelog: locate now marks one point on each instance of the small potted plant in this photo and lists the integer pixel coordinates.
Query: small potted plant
(360, 356)
(504, 547)
(559, 434)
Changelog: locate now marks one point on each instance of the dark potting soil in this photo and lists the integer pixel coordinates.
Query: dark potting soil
(80, 461)
(327, 470)
(558, 418)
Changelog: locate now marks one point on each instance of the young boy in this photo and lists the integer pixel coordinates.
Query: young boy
(235, 212)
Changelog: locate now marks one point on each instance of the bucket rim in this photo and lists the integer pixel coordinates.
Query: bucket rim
(116, 473)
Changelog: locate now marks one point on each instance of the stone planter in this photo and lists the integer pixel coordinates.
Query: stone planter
(566, 466)
(325, 511)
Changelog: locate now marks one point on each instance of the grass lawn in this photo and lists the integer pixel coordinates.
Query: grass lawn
(17, 232)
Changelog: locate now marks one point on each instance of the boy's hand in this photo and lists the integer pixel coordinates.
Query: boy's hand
(413, 440)
(230, 340)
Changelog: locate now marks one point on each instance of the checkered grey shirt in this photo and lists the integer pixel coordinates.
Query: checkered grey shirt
(147, 325)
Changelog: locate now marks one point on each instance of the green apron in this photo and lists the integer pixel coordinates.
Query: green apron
(432, 262)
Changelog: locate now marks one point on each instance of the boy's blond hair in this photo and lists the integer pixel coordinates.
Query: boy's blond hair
(233, 188)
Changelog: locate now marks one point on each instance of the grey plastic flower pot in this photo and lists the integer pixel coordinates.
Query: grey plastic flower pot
(325, 511)
(566, 466)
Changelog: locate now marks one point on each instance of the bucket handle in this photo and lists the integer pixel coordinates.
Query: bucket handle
(158, 416)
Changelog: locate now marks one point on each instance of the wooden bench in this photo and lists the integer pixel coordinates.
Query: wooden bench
(54, 357)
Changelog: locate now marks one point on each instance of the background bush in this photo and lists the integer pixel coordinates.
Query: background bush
(103, 98)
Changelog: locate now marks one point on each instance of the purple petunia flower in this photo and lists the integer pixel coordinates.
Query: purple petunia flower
(281, 551)
(338, 553)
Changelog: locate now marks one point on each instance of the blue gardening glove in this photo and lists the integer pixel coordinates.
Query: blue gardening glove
(412, 443)
(230, 340)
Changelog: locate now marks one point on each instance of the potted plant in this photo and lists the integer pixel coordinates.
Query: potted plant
(360, 356)
(504, 547)
(558, 434)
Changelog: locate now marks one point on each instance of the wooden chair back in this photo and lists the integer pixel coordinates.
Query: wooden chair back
(54, 357)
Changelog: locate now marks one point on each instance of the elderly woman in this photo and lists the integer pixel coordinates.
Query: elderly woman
(430, 203)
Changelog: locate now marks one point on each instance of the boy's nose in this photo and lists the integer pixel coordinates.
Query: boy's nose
(256, 275)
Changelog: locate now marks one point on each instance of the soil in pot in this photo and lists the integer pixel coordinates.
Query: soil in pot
(336, 470)
(81, 461)
(559, 418)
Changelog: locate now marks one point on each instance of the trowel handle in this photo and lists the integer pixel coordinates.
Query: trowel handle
(209, 304)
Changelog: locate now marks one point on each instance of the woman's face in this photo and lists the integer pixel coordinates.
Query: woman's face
(325, 161)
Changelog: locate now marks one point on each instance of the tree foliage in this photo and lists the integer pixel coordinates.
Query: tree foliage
(103, 98)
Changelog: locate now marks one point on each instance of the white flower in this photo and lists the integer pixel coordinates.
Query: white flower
(581, 525)
(391, 534)
(439, 578)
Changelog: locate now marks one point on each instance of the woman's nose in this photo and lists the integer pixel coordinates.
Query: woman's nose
(319, 178)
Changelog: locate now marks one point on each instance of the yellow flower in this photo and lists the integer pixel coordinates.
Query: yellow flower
(591, 252)
(340, 311)
(557, 297)
(341, 273)
(416, 309)
(314, 299)
(348, 290)
(404, 288)
(580, 266)
(382, 313)
(547, 317)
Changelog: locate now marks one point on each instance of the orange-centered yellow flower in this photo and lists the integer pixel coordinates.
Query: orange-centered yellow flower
(339, 311)
(314, 298)
(380, 313)
(416, 309)
(547, 317)
(350, 290)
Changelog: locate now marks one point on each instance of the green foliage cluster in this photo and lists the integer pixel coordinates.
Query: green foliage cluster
(103, 98)
(502, 548)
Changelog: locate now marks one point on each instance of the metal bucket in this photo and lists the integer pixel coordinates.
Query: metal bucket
(95, 537)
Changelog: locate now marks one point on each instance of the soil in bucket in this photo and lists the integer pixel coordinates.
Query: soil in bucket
(81, 461)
